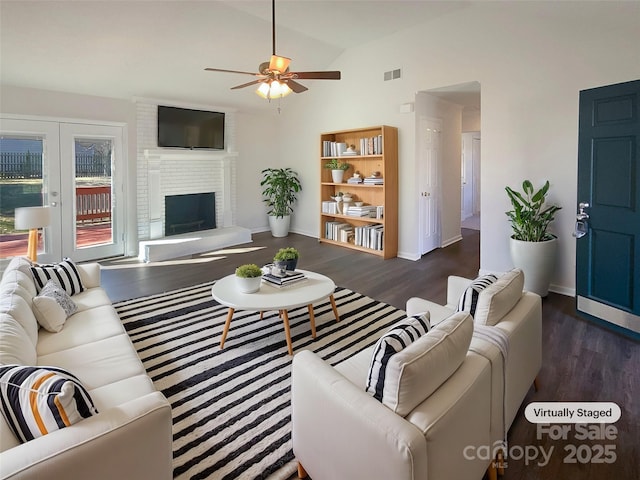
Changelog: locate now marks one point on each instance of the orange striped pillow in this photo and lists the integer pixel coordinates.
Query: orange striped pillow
(39, 400)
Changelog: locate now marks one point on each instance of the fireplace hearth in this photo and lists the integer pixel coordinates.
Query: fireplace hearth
(191, 212)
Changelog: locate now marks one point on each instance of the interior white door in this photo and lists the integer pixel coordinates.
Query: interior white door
(476, 154)
(467, 175)
(429, 158)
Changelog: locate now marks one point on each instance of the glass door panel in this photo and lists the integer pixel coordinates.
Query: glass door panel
(93, 192)
(27, 151)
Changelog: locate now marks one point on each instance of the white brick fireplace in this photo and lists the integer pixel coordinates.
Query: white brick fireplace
(171, 171)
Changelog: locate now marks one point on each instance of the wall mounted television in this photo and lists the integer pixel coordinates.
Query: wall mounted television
(186, 128)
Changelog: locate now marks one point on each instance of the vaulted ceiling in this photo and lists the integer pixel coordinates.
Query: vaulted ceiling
(159, 49)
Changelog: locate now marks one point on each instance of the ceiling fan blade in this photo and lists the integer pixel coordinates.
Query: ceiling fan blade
(328, 75)
(296, 87)
(279, 63)
(246, 84)
(230, 71)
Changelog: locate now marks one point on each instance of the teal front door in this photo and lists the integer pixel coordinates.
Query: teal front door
(608, 237)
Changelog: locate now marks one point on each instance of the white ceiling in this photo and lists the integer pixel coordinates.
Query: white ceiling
(159, 49)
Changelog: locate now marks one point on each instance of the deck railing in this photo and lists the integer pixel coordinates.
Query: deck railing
(19, 165)
(93, 204)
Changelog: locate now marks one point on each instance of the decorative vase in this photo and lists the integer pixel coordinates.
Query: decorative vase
(338, 200)
(537, 260)
(337, 175)
(248, 285)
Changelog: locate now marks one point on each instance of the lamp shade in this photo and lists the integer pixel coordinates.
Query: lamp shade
(32, 217)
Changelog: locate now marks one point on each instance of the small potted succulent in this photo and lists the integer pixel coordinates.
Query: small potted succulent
(248, 278)
(289, 256)
(337, 169)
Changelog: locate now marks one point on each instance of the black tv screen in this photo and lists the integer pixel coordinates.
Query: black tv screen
(185, 128)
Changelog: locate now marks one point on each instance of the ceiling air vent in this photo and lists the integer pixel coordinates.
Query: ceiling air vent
(392, 74)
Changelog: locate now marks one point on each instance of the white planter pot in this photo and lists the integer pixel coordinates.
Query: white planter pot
(337, 175)
(279, 226)
(537, 260)
(248, 285)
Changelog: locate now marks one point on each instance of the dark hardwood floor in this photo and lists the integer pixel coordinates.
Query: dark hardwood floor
(581, 361)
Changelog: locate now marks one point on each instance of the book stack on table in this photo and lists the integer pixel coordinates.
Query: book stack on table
(291, 278)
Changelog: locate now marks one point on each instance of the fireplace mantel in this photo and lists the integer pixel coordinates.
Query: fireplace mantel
(165, 165)
(194, 155)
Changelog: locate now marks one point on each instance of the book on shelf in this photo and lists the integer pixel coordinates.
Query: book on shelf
(363, 211)
(371, 145)
(329, 207)
(346, 235)
(370, 236)
(374, 181)
(332, 230)
(355, 180)
(335, 149)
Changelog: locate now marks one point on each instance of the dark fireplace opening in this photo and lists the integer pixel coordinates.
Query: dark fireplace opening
(189, 213)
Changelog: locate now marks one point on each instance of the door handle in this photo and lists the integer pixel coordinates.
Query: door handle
(582, 215)
(581, 228)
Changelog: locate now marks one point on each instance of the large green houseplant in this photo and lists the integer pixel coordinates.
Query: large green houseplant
(279, 189)
(530, 217)
(533, 248)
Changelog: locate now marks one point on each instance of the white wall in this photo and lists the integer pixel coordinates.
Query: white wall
(531, 58)
(259, 147)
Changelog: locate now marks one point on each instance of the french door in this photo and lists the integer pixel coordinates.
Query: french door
(73, 168)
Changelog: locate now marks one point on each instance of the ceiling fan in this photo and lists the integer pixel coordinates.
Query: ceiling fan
(274, 76)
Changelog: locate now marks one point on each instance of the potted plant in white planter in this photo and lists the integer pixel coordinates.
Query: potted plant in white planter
(248, 278)
(337, 169)
(280, 186)
(532, 247)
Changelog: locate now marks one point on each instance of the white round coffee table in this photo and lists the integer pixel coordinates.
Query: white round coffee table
(317, 287)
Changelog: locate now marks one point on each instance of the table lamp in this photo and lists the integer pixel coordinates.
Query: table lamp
(32, 218)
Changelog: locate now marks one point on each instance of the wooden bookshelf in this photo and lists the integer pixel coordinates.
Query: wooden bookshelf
(385, 161)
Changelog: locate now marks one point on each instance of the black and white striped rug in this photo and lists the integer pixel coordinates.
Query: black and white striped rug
(231, 407)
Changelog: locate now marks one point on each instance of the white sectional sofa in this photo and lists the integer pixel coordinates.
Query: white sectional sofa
(130, 436)
(341, 431)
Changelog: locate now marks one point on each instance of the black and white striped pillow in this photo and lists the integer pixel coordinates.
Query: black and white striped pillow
(469, 299)
(39, 400)
(65, 274)
(399, 337)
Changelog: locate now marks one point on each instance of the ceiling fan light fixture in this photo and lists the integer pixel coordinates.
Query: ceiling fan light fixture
(273, 89)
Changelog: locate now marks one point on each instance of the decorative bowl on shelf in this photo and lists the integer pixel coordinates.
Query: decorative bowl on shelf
(358, 204)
